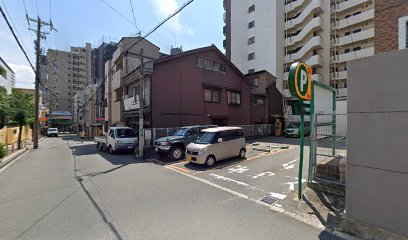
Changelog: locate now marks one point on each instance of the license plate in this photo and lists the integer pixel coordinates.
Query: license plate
(130, 147)
(189, 158)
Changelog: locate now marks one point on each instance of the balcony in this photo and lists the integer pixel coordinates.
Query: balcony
(293, 6)
(355, 37)
(362, 17)
(339, 75)
(315, 60)
(341, 92)
(116, 79)
(314, 6)
(345, 57)
(349, 4)
(313, 25)
(314, 43)
(317, 77)
(225, 17)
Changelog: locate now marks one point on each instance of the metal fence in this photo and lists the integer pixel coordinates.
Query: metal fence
(329, 148)
(257, 130)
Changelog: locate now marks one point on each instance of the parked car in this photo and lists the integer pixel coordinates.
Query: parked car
(217, 144)
(293, 129)
(175, 144)
(52, 132)
(117, 139)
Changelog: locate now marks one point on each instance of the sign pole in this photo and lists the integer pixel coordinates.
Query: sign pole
(302, 144)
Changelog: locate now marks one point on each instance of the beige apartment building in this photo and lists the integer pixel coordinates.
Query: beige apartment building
(326, 34)
(68, 72)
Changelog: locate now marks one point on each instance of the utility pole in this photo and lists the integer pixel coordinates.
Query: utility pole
(141, 105)
(38, 72)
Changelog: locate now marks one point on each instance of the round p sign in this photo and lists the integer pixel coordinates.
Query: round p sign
(300, 81)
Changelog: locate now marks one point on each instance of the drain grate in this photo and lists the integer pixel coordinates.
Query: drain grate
(269, 200)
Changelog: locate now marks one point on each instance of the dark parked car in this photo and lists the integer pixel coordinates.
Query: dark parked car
(175, 144)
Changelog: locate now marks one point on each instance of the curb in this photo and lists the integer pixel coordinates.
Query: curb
(10, 158)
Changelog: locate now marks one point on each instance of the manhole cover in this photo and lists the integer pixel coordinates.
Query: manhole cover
(269, 200)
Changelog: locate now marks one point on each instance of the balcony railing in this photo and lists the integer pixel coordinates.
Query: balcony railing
(313, 25)
(349, 4)
(345, 57)
(116, 79)
(339, 75)
(362, 17)
(313, 43)
(354, 37)
(313, 7)
(293, 6)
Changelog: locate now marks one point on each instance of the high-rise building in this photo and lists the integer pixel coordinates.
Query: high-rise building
(100, 56)
(7, 76)
(68, 72)
(271, 35)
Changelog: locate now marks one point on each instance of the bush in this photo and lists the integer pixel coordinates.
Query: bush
(2, 150)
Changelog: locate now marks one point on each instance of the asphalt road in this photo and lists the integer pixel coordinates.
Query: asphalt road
(68, 190)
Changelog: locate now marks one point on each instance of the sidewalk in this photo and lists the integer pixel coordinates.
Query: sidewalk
(9, 158)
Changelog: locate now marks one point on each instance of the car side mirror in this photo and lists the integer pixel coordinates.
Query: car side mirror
(219, 140)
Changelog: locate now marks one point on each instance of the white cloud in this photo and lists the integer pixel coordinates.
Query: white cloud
(24, 75)
(164, 8)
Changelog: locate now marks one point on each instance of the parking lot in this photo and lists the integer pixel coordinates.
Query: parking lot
(270, 169)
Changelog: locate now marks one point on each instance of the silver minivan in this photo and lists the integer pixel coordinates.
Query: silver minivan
(217, 144)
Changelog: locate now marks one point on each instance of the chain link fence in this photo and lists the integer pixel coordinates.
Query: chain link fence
(329, 148)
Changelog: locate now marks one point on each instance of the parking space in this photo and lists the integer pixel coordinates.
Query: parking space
(270, 170)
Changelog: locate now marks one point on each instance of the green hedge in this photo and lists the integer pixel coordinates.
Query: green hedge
(2, 150)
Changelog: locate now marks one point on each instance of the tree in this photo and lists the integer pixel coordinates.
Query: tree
(21, 110)
(4, 106)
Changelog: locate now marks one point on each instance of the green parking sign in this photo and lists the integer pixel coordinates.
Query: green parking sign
(300, 81)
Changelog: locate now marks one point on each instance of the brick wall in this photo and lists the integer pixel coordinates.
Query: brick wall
(387, 13)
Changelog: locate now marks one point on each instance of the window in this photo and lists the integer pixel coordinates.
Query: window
(357, 30)
(251, 24)
(356, 48)
(285, 84)
(212, 95)
(234, 97)
(347, 50)
(258, 100)
(251, 8)
(210, 64)
(251, 40)
(255, 82)
(223, 67)
(251, 56)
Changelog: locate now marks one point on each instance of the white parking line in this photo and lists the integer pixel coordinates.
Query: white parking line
(290, 165)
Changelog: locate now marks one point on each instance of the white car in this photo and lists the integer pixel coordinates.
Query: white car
(52, 132)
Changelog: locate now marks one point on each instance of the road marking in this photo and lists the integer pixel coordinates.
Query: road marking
(157, 161)
(290, 165)
(262, 174)
(277, 195)
(179, 169)
(292, 184)
(228, 179)
(239, 169)
(272, 207)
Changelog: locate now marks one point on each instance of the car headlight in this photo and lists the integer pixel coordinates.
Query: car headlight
(201, 151)
(164, 143)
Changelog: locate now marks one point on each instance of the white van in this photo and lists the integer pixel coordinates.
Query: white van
(217, 144)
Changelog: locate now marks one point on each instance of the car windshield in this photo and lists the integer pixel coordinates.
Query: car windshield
(207, 138)
(293, 125)
(52, 130)
(125, 133)
(180, 132)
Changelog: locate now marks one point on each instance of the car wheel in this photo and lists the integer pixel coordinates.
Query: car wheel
(111, 151)
(98, 145)
(176, 153)
(210, 161)
(101, 147)
(242, 153)
(162, 154)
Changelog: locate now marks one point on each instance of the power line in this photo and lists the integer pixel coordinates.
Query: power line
(120, 14)
(36, 6)
(134, 18)
(16, 38)
(140, 39)
(14, 26)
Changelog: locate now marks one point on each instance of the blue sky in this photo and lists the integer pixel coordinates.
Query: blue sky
(80, 21)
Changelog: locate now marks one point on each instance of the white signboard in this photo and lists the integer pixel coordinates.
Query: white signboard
(131, 103)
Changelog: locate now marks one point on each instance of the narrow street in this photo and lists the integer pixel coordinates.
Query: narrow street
(69, 190)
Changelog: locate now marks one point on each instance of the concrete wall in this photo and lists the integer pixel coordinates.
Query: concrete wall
(377, 166)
